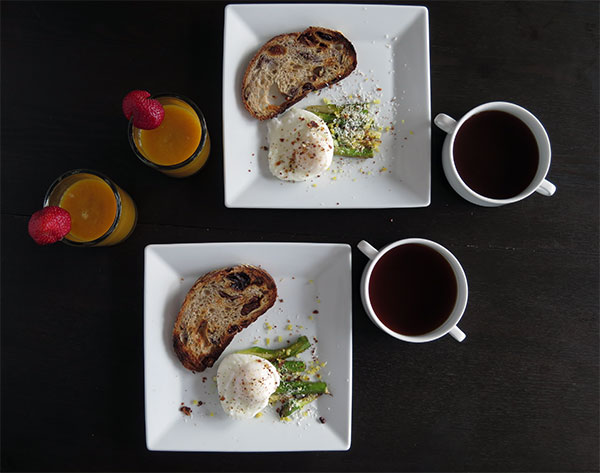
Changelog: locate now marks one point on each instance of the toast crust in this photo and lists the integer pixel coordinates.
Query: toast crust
(218, 306)
(289, 66)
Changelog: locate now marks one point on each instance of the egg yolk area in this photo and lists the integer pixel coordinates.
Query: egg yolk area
(175, 140)
(92, 206)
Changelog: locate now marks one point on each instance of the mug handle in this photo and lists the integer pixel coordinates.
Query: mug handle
(546, 188)
(367, 249)
(445, 122)
(458, 334)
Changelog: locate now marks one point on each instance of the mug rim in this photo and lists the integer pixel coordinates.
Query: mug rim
(496, 106)
(461, 298)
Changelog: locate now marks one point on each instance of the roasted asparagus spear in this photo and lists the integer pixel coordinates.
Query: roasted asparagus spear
(302, 387)
(282, 353)
(351, 127)
(295, 403)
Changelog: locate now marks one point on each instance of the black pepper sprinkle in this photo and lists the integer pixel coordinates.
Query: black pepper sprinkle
(322, 420)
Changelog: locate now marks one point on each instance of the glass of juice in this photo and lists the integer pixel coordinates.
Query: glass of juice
(102, 214)
(180, 145)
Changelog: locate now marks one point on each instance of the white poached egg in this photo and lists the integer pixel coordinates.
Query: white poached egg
(300, 145)
(245, 383)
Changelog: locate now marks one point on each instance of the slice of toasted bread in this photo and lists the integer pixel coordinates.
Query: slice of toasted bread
(218, 306)
(289, 66)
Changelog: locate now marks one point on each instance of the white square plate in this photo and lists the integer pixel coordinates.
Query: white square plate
(392, 46)
(310, 277)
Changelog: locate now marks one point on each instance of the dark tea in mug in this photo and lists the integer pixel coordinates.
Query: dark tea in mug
(413, 289)
(496, 154)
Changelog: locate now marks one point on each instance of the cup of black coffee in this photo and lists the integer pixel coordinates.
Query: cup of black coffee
(497, 154)
(414, 290)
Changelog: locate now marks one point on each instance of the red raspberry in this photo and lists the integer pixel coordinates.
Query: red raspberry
(147, 113)
(49, 225)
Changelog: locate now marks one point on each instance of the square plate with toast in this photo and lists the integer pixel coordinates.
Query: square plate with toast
(392, 75)
(314, 299)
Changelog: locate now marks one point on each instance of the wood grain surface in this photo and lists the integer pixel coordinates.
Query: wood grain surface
(520, 394)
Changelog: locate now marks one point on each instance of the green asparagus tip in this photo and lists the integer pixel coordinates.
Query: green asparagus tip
(300, 345)
(294, 404)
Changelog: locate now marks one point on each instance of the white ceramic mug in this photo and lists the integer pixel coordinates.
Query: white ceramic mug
(450, 325)
(539, 182)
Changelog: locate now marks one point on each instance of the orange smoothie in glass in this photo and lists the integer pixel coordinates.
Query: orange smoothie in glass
(102, 213)
(180, 145)
(92, 206)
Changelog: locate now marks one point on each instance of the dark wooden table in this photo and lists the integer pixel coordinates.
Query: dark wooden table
(520, 394)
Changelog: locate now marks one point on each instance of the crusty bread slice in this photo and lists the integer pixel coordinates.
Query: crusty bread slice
(289, 66)
(218, 306)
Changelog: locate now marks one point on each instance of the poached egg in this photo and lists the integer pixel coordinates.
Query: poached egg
(300, 145)
(245, 383)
